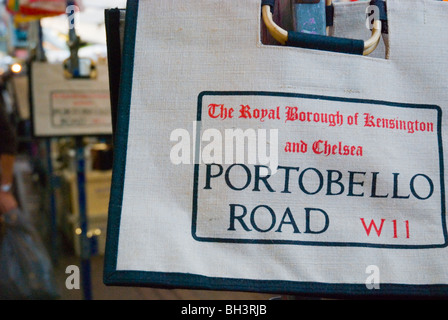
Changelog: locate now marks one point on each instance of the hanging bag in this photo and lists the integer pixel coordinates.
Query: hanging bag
(246, 166)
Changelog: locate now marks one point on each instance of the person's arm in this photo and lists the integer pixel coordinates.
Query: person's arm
(8, 145)
(6, 169)
(7, 199)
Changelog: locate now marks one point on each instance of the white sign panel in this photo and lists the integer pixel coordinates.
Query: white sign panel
(69, 107)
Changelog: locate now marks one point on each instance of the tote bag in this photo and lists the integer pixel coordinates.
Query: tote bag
(266, 168)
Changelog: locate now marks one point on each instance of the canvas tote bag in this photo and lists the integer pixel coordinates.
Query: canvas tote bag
(246, 166)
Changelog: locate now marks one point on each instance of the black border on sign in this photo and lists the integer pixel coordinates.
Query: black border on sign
(114, 277)
(318, 243)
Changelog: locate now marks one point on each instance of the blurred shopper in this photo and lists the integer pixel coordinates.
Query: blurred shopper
(26, 271)
(8, 145)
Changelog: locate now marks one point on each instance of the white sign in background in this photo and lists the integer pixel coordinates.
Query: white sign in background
(69, 107)
(83, 109)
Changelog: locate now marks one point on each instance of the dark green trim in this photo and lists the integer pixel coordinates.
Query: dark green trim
(121, 142)
(319, 42)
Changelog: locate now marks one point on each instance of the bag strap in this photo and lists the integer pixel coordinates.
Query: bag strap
(382, 7)
(329, 13)
(319, 42)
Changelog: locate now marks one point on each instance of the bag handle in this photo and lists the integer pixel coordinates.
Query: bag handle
(319, 42)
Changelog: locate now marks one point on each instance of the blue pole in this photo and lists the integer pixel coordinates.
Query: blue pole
(83, 223)
(53, 214)
(81, 178)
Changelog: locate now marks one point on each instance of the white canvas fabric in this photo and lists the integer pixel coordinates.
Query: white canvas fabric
(358, 196)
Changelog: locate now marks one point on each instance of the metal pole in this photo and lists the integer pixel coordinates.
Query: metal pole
(83, 222)
(80, 168)
(53, 213)
(73, 39)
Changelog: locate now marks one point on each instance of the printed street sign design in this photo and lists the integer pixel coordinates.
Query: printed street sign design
(349, 172)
